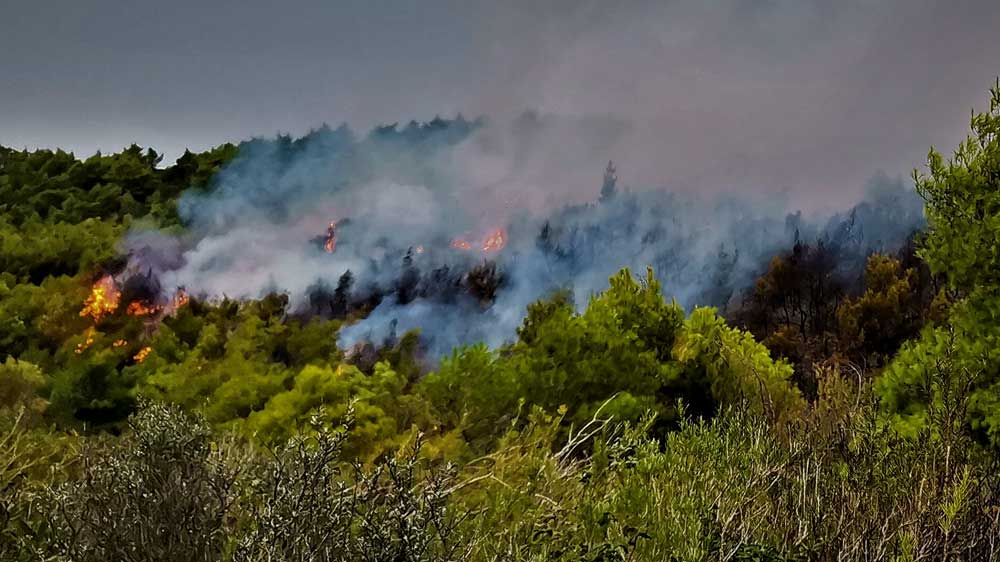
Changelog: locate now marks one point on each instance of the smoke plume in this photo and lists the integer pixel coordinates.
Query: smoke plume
(453, 227)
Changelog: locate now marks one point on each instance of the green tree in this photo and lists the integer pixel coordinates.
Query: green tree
(950, 377)
(889, 312)
(628, 353)
(963, 206)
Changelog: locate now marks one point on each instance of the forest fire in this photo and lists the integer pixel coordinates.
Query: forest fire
(82, 346)
(103, 299)
(495, 241)
(138, 308)
(180, 300)
(330, 245)
(142, 354)
(461, 244)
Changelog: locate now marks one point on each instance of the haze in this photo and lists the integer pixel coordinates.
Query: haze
(809, 98)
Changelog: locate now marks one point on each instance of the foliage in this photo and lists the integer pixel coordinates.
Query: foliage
(55, 187)
(732, 489)
(626, 429)
(954, 367)
(805, 309)
(20, 383)
(171, 489)
(963, 206)
(629, 346)
(378, 402)
(951, 368)
(162, 493)
(890, 311)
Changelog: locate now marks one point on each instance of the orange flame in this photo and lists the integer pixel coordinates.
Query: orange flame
(137, 308)
(103, 299)
(119, 343)
(495, 241)
(460, 244)
(181, 299)
(143, 353)
(331, 238)
(81, 347)
(419, 249)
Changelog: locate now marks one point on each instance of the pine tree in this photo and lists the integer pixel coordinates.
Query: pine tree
(609, 189)
(342, 295)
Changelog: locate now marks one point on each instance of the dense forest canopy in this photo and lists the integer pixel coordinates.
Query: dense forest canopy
(613, 380)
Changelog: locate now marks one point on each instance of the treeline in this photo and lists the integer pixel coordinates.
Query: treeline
(815, 315)
(60, 216)
(834, 416)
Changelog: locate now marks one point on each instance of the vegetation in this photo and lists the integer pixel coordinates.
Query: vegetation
(825, 417)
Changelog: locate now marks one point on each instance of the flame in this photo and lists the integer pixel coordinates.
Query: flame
(419, 249)
(495, 241)
(460, 244)
(119, 343)
(137, 308)
(103, 299)
(81, 347)
(181, 299)
(331, 238)
(143, 353)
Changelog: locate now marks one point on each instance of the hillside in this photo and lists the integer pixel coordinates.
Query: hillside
(323, 349)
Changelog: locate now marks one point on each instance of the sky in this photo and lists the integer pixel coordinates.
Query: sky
(801, 97)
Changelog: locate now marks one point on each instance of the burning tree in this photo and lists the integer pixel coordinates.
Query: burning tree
(103, 299)
(330, 244)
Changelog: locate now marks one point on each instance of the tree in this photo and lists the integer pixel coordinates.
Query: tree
(630, 352)
(962, 198)
(889, 312)
(342, 295)
(161, 493)
(609, 188)
(962, 203)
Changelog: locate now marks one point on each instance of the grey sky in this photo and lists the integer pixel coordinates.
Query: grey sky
(806, 96)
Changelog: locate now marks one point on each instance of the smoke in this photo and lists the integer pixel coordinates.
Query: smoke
(400, 196)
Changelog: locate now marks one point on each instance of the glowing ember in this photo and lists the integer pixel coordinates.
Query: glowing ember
(119, 343)
(460, 244)
(103, 299)
(331, 238)
(143, 353)
(136, 308)
(495, 241)
(419, 249)
(81, 347)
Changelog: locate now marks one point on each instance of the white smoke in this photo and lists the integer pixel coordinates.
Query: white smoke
(261, 224)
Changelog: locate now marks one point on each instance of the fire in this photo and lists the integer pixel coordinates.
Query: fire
(181, 299)
(137, 308)
(81, 347)
(142, 354)
(119, 343)
(419, 249)
(495, 241)
(103, 299)
(331, 238)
